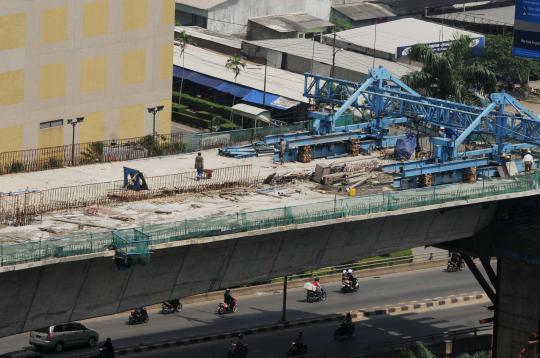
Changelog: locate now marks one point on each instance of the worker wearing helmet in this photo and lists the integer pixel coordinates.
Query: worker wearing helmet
(344, 276)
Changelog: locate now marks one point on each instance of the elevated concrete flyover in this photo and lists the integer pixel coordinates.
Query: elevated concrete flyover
(73, 288)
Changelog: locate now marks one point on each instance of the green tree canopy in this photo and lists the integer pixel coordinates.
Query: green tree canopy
(235, 64)
(454, 74)
(509, 69)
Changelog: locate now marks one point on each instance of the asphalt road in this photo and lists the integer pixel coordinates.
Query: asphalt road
(320, 341)
(200, 319)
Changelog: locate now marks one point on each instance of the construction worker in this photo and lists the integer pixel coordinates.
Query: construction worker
(528, 161)
(282, 148)
(199, 165)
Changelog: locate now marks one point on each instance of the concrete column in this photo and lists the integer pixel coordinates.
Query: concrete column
(519, 306)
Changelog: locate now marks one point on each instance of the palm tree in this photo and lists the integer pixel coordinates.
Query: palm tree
(183, 40)
(421, 351)
(455, 74)
(235, 64)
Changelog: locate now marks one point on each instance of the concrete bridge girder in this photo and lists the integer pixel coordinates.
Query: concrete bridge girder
(38, 296)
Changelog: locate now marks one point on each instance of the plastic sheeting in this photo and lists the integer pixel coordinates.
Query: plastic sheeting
(405, 147)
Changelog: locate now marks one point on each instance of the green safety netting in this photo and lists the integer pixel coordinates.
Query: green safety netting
(138, 241)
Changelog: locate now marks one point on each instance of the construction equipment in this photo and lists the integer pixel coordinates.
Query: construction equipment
(505, 122)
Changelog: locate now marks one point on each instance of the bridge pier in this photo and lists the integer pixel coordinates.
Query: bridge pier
(518, 308)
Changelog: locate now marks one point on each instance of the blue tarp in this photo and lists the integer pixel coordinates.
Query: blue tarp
(405, 147)
(256, 96)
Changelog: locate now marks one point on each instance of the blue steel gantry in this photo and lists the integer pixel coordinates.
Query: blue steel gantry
(388, 101)
(504, 120)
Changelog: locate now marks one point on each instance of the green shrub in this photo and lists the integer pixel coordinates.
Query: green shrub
(179, 107)
(227, 126)
(199, 104)
(205, 115)
(190, 120)
(16, 167)
(54, 163)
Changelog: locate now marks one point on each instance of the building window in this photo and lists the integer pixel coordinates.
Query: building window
(51, 124)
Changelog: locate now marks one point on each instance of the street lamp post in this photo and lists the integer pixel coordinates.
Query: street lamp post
(74, 123)
(154, 111)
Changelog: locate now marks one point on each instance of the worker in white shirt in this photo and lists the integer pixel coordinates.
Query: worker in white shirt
(528, 161)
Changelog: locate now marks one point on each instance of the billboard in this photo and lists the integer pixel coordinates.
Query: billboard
(527, 29)
(477, 46)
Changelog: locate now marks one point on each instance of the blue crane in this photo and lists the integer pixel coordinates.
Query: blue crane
(504, 120)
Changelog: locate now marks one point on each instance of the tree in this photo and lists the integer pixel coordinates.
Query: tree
(421, 351)
(340, 24)
(509, 69)
(183, 40)
(453, 74)
(235, 64)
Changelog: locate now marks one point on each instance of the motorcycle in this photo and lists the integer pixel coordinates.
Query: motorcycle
(296, 350)
(138, 317)
(349, 286)
(455, 263)
(238, 351)
(168, 307)
(313, 294)
(225, 308)
(102, 353)
(344, 331)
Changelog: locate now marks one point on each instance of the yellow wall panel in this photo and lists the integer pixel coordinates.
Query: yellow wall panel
(166, 62)
(54, 25)
(132, 121)
(93, 74)
(51, 137)
(12, 31)
(95, 18)
(167, 12)
(92, 129)
(133, 67)
(12, 138)
(164, 121)
(52, 82)
(135, 14)
(11, 87)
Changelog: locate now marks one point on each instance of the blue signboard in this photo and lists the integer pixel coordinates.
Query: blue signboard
(527, 29)
(477, 46)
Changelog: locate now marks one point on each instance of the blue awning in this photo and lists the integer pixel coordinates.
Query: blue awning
(178, 72)
(256, 96)
(234, 89)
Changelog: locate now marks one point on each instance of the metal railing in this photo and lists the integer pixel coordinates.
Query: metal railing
(131, 148)
(264, 219)
(427, 339)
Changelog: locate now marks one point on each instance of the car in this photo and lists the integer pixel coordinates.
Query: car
(61, 336)
(21, 354)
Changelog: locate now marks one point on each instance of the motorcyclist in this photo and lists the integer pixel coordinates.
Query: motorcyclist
(107, 349)
(351, 277)
(347, 320)
(228, 298)
(174, 304)
(344, 277)
(317, 284)
(299, 340)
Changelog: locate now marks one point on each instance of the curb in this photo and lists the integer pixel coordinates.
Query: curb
(358, 315)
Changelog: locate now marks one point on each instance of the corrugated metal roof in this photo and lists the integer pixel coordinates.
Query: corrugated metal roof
(410, 6)
(201, 4)
(402, 32)
(364, 11)
(497, 16)
(197, 32)
(323, 53)
(300, 22)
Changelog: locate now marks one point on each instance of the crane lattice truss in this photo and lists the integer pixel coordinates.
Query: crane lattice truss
(389, 101)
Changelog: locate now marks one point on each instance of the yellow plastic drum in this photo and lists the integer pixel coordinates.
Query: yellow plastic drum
(352, 192)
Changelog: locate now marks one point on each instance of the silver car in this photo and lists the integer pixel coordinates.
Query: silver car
(63, 335)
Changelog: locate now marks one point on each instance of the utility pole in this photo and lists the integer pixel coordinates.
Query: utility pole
(264, 89)
(333, 54)
(284, 311)
(154, 111)
(73, 123)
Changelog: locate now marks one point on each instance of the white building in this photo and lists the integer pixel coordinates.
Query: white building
(231, 16)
